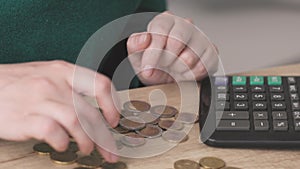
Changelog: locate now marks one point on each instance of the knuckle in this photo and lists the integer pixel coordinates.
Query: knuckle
(60, 64)
(189, 60)
(104, 83)
(175, 45)
(42, 83)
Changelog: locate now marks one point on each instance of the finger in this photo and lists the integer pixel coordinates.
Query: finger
(189, 20)
(44, 128)
(186, 61)
(138, 42)
(110, 157)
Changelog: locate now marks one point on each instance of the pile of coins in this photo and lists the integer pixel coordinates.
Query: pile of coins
(206, 162)
(140, 121)
(70, 156)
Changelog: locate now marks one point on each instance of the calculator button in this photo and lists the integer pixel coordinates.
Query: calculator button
(259, 105)
(274, 80)
(278, 106)
(222, 96)
(297, 125)
(294, 97)
(279, 115)
(276, 89)
(291, 80)
(223, 105)
(261, 125)
(241, 105)
(256, 80)
(221, 81)
(280, 125)
(258, 89)
(240, 96)
(258, 96)
(232, 115)
(296, 115)
(260, 115)
(240, 89)
(222, 89)
(233, 125)
(293, 88)
(239, 80)
(277, 96)
(295, 106)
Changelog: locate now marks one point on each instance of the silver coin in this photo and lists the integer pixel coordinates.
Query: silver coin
(187, 118)
(132, 140)
(150, 131)
(174, 136)
(132, 123)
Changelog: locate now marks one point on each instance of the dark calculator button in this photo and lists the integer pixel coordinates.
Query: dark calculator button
(241, 105)
(233, 125)
(295, 106)
(240, 96)
(258, 96)
(258, 89)
(296, 115)
(222, 96)
(222, 89)
(279, 115)
(278, 106)
(293, 88)
(291, 80)
(261, 125)
(232, 115)
(280, 125)
(259, 105)
(260, 115)
(239, 89)
(297, 125)
(223, 105)
(294, 97)
(277, 96)
(276, 89)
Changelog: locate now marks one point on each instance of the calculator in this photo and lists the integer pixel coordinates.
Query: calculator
(250, 111)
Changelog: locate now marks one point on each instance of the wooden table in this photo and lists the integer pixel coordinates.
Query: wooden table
(20, 155)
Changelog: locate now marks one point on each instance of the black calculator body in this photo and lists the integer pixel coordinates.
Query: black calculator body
(250, 111)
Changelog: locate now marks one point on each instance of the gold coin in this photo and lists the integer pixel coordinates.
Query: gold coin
(174, 136)
(43, 148)
(132, 140)
(136, 106)
(186, 164)
(63, 158)
(170, 124)
(89, 162)
(117, 165)
(230, 167)
(187, 118)
(164, 111)
(212, 162)
(132, 123)
(150, 131)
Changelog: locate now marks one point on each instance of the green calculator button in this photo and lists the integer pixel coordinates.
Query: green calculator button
(256, 80)
(239, 80)
(274, 80)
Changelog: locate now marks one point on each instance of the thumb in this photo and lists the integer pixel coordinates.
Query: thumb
(138, 42)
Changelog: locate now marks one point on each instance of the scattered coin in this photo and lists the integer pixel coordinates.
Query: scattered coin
(43, 148)
(149, 118)
(117, 165)
(186, 164)
(170, 124)
(164, 111)
(174, 136)
(230, 167)
(132, 140)
(73, 147)
(187, 118)
(81, 168)
(96, 154)
(121, 130)
(126, 113)
(132, 123)
(150, 131)
(212, 162)
(89, 162)
(136, 106)
(63, 158)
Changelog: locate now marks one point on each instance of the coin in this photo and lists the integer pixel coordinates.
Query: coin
(212, 162)
(187, 118)
(96, 154)
(150, 131)
(126, 113)
(117, 165)
(63, 158)
(149, 118)
(43, 148)
(174, 136)
(81, 168)
(136, 106)
(164, 111)
(132, 140)
(230, 167)
(186, 164)
(73, 147)
(170, 124)
(132, 123)
(121, 130)
(89, 162)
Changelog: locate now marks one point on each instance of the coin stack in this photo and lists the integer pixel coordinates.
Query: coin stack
(70, 156)
(140, 121)
(205, 162)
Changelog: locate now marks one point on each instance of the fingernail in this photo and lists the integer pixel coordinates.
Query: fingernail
(147, 71)
(142, 38)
